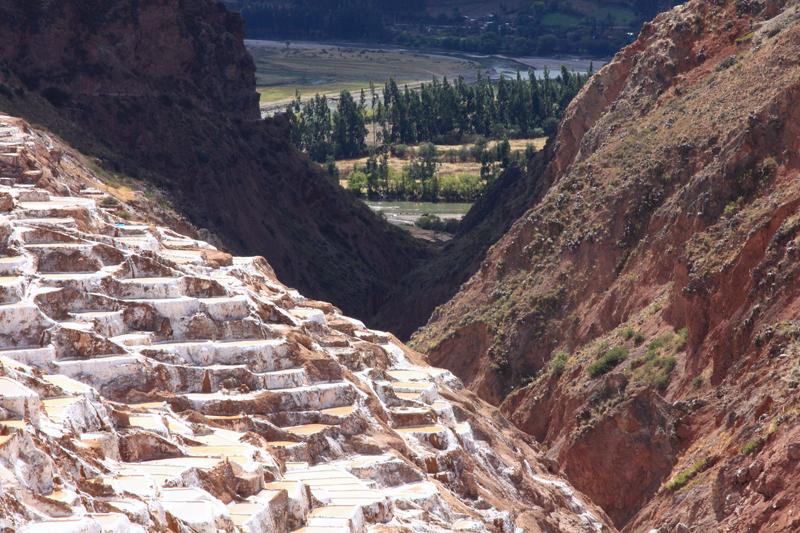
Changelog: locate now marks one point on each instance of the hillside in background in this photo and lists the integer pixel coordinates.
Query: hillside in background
(188, 121)
(640, 317)
(585, 27)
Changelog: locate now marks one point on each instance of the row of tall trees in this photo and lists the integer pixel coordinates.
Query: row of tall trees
(444, 111)
(325, 135)
(439, 111)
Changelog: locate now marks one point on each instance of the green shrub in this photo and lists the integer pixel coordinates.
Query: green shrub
(500, 365)
(727, 63)
(109, 201)
(630, 334)
(357, 182)
(697, 382)
(683, 336)
(753, 445)
(733, 206)
(768, 167)
(658, 343)
(662, 368)
(608, 361)
(433, 222)
(558, 363)
(685, 476)
(460, 187)
(399, 150)
(658, 362)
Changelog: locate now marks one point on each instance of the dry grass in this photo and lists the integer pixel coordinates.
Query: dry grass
(346, 166)
(395, 163)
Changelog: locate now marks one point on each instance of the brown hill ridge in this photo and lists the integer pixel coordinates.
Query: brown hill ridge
(641, 318)
(164, 91)
(150, 382)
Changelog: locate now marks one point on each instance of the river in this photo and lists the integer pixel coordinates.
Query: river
(405, 213)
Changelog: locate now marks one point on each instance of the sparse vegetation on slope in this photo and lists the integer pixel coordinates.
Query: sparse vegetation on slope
(608, 361)
(669, 225)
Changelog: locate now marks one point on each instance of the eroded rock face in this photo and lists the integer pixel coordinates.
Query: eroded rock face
(149, 382)
(661, 261)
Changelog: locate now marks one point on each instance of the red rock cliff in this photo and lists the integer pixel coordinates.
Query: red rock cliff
(641, 318)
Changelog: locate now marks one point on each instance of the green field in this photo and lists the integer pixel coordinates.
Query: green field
(328, 69)
(281, 93)
(560, 20)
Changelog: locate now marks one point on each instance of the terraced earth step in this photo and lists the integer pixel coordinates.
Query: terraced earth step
(99, 369)
(312, 397)
(264, 355)
(335, 486)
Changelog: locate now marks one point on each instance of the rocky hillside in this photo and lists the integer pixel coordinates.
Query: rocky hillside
(151, 382)
(433, 282)
(641, 318)
(164, 91)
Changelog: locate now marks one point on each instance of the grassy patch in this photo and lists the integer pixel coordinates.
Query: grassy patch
(282, 93)
(683, 477)
(630, 334)
(608, 361)
(659, 343)
(558, 363)
(655, 369)
(683, 336)
(560, 20)
(753, 445)
(658, 361)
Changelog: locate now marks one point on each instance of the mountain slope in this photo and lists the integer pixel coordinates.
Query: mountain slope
(640, 319)
(413, 299)
(165, 91)
(151, 382)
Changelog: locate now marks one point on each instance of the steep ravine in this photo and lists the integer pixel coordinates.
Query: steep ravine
(150, 382)
(164, 91)
(641, 318)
